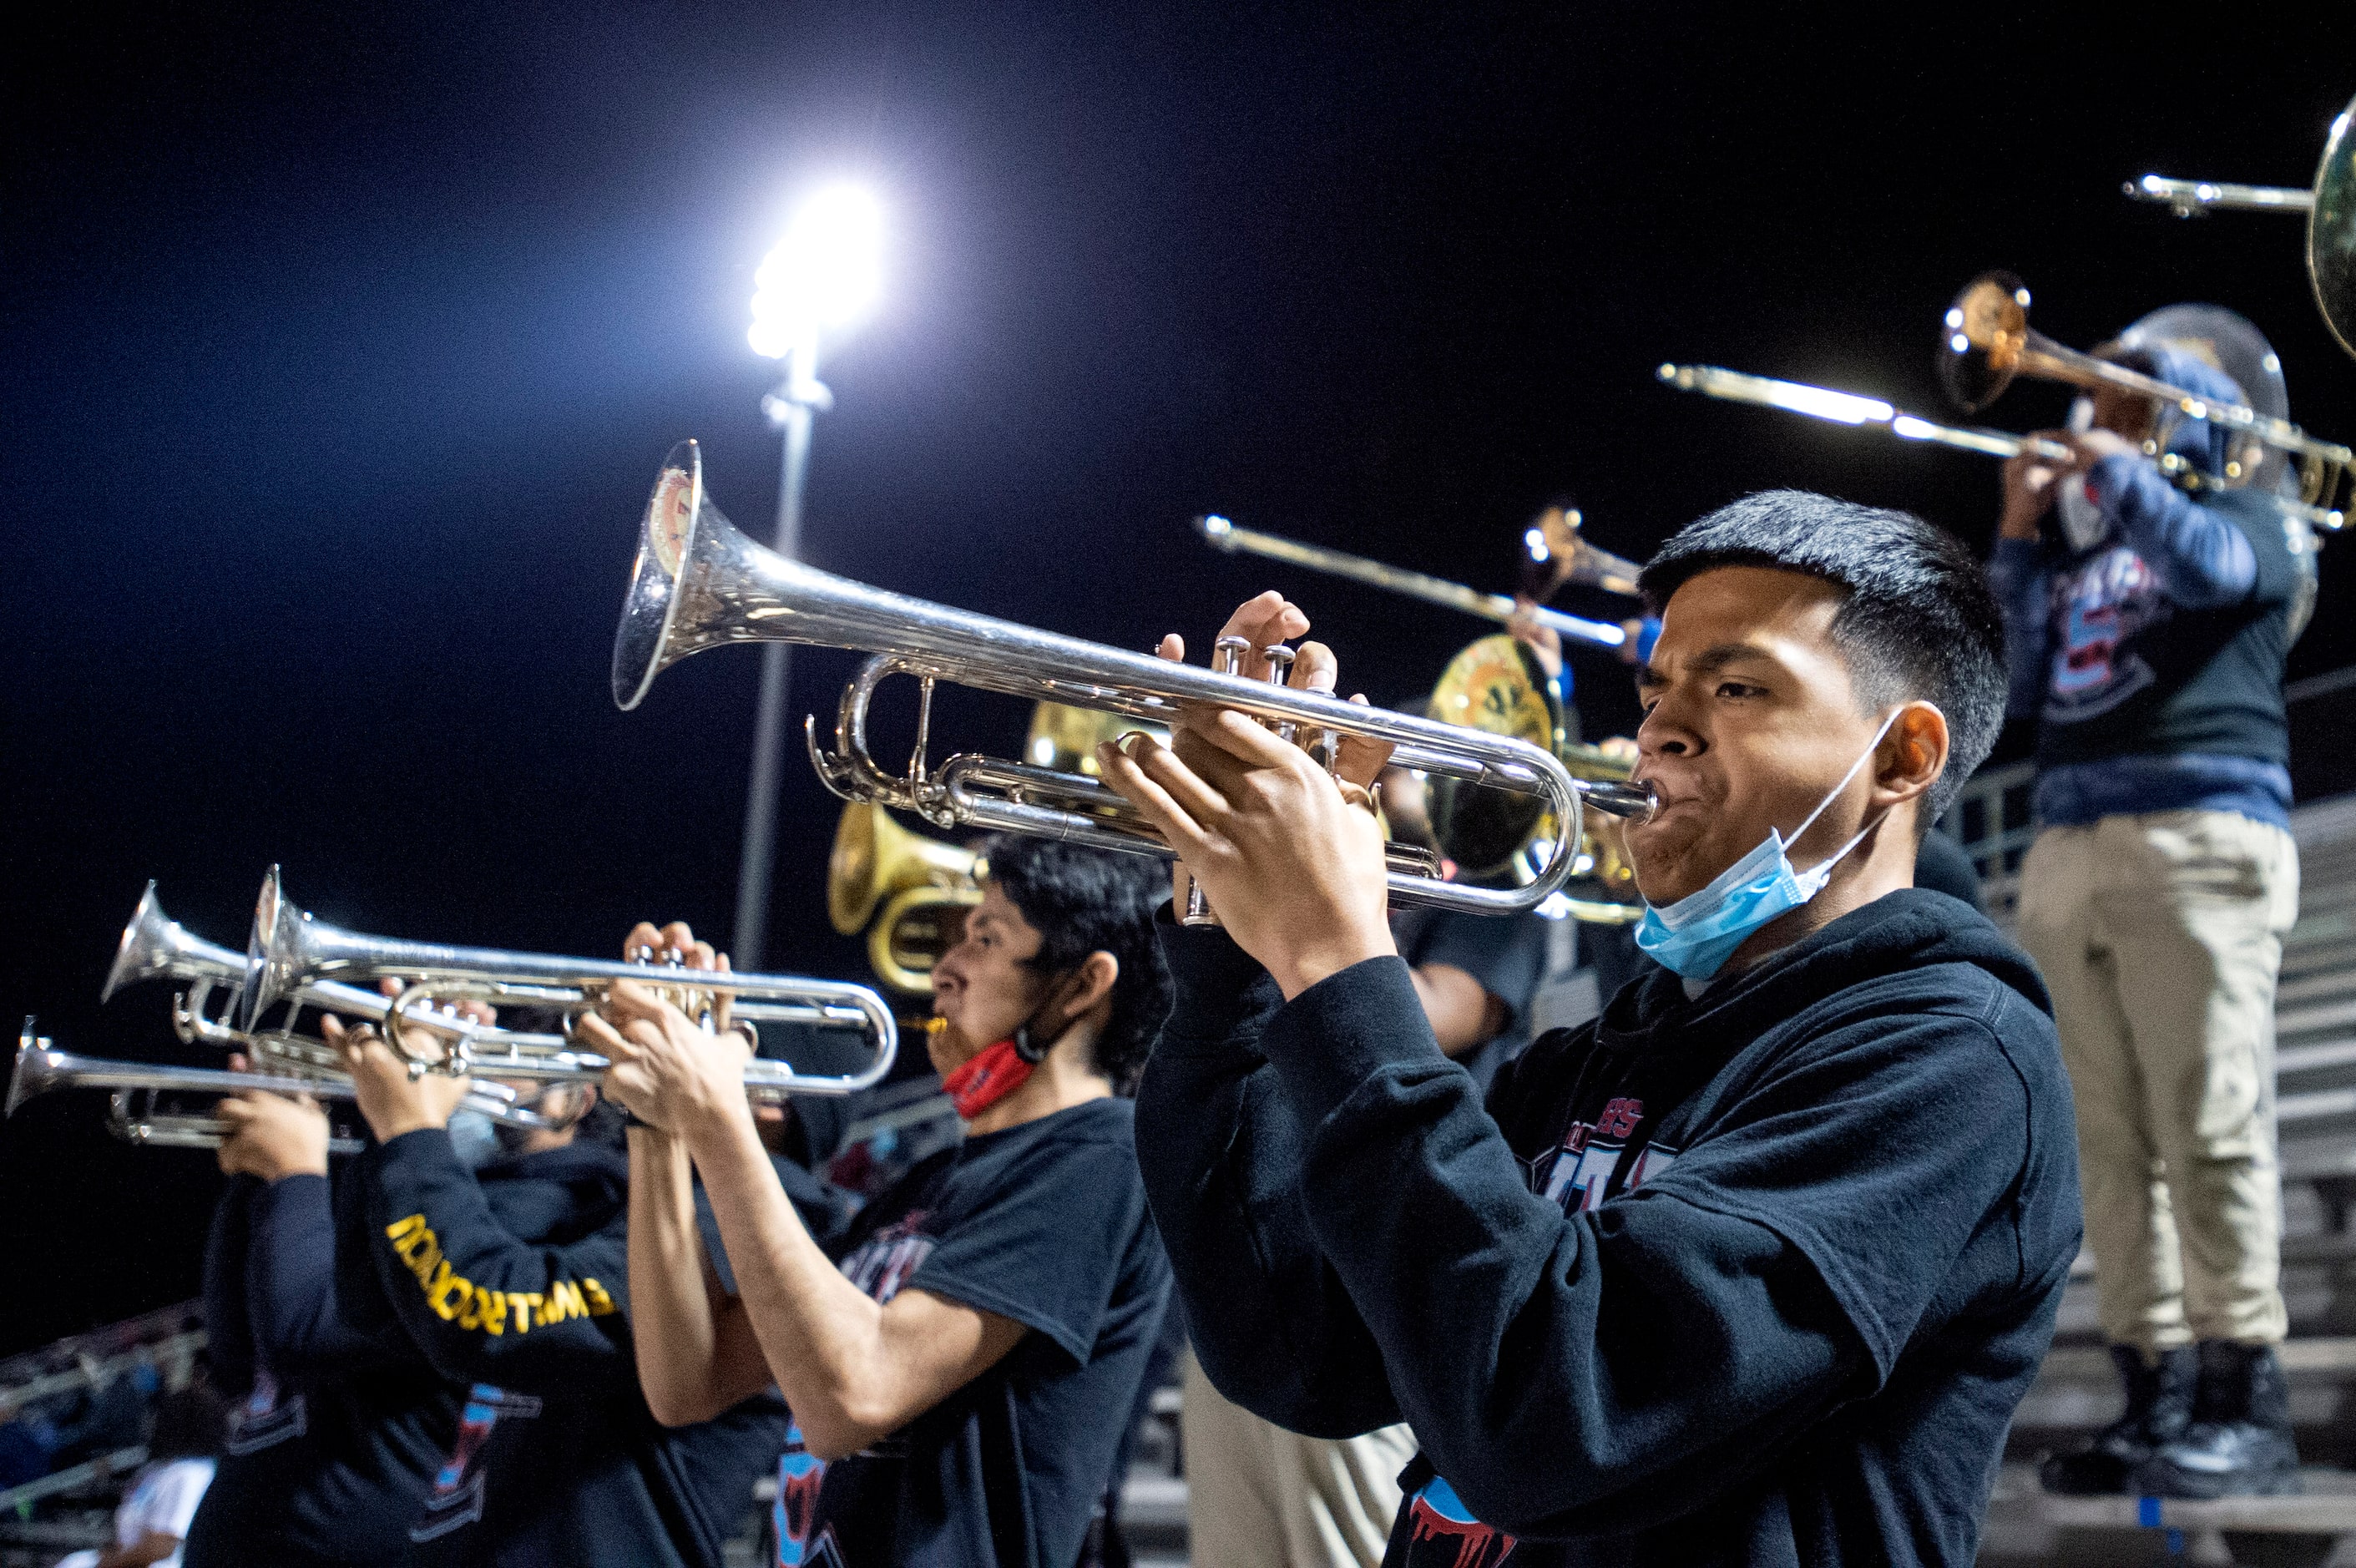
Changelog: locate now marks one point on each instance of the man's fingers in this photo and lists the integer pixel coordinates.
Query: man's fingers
(1185, 788)
(629, 999)
(1362, 758)
(644, 937)
(1240, 738)
(1178, 830)
(603, 1038)
(1263, 621)
(676, 936)
(1171, 647)
(1314, 669)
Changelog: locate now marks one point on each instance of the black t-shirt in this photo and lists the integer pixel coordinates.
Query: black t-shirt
(1506, 955)
(1045, 1223)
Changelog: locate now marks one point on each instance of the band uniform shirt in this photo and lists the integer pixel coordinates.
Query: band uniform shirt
(340, 1422)
(512, 1281)
(1045, 1223)
(1506, 955)
(1756, 1277)
(2153, 660)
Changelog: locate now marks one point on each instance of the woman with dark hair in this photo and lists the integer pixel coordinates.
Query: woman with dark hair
(961, 1364)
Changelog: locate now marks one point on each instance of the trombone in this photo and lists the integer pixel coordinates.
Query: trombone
(2328, 206)
(132, 1114)
(1221, 534)
(1848, 408)
(1985, 342)
(699, 582)
(292, 950)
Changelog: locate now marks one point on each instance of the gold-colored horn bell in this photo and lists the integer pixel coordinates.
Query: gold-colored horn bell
(917, 881)
(1495, 686)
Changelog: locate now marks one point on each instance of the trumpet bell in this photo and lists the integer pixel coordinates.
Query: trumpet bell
(36, 1069)
(1986, 333)
(157, 947)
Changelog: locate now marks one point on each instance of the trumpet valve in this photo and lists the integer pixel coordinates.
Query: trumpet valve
(1280, 674)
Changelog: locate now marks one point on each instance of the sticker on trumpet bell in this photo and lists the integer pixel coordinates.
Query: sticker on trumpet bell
(670, 516)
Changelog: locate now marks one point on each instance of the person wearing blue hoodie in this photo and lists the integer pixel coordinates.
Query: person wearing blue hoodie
(2146, 629)
(1754, 1268)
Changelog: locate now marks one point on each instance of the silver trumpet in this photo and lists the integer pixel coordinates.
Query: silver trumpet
(292, 952)
(155, 947)
(132, 1114)
(699, 583)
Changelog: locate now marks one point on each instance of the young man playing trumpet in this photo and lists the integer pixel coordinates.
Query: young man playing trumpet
(1752, 1269)
(961, 1363)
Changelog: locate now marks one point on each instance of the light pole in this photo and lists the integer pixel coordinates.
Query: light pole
(823, 274)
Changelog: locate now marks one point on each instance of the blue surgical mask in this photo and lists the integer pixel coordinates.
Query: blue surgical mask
(1696, 935)
(474, 1136)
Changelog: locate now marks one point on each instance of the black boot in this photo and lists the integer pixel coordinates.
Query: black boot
(2160, 1407)
(2239, 1444)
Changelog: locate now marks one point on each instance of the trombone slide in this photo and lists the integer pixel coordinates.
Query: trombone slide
(1221, 534)
(1848, 408)
(2190, 198)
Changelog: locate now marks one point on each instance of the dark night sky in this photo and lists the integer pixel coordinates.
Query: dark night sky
(341, 344)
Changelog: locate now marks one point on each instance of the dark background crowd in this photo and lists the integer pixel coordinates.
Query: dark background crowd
(341, 346)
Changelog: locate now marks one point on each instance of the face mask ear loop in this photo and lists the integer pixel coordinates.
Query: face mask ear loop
(1833, 794)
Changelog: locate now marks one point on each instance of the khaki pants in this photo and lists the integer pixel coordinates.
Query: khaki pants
(1260, 1497)
(2160, 936)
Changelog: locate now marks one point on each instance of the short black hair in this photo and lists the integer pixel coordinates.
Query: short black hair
(1919, 621)
(1092, 900)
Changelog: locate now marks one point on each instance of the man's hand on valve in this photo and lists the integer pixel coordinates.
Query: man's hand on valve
(668, 1070)
(272, 1136)
(391, 1100)
(1289, 856)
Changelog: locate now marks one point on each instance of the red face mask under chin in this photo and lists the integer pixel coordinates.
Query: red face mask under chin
(992, 1073)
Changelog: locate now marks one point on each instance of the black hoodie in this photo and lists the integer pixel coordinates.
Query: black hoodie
(338, 1427)
(1752, 1278)
(511, 1281)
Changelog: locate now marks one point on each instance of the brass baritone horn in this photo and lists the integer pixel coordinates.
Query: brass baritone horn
(290, 950)
(699, 582)
(917, 880)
